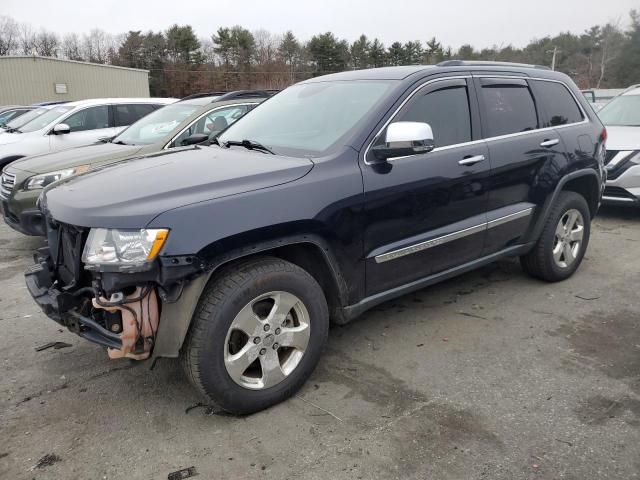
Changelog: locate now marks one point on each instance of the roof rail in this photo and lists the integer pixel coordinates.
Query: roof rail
(202, 94)
(221, 96)
(629, 88)
(247, 94)
(481, 63)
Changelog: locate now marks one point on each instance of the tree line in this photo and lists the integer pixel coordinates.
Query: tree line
(181, 63)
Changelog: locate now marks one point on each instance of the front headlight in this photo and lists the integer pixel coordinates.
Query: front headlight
(41, 181)
(123, 250)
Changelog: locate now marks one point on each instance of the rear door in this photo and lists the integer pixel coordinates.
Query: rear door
(87, 126)
(520, 152)
(426, 213)
(560, 111)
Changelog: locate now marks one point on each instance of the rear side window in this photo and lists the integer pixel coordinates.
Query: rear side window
(446, 111)
(557, 104)
(508, 108)
(131, 113)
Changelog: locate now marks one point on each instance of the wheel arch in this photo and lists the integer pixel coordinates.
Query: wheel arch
(585, 182)
(7, 160)
(309, 251)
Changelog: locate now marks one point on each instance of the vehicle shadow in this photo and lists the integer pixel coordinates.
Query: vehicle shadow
(619, 212)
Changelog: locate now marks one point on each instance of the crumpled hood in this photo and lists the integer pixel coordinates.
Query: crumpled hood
(623, 138)
(131, 193)
(89, 154)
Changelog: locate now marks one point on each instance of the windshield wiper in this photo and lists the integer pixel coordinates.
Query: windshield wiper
(249, 145)
(13, 130)
(119, 142)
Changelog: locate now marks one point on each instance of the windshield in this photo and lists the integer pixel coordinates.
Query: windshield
(309, 118)
(156, 125)
(6, 116)
(45, 118)
(26, 118)
(621, 111)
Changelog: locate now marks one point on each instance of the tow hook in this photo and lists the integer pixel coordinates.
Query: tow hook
(140, 318)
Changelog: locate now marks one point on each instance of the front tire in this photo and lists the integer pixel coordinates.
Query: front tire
(256, 335)
(563, 241)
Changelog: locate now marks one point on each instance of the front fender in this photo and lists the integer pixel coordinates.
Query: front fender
(176, 317)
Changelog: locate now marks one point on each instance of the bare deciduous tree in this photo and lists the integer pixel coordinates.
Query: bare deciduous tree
(71, 48)
(46, 44)
(9, 32)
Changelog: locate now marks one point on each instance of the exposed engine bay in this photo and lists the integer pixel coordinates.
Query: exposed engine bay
(135, 318)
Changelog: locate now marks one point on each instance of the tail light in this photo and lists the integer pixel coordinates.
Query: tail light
(603, 135)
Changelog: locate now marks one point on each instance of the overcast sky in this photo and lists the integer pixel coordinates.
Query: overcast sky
(454, 22)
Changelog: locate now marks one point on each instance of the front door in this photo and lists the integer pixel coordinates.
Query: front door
(426, 213)
(87, 126)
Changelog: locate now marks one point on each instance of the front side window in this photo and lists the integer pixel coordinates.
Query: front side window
(157, 125)
(126, 114)
(622, 111)
(213, 122)
(38, 119)
(92, 118)
(309, 118)
(509, 108)
(557, 103)
(445, 110)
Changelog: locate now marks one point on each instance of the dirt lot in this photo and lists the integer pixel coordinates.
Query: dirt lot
(492, 375)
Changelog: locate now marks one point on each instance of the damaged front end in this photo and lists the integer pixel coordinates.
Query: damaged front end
(115, 304)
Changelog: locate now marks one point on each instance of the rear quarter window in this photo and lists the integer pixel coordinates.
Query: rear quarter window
(558, 107)
(127, 114)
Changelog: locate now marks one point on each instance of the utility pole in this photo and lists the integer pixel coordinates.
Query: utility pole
(555, 52)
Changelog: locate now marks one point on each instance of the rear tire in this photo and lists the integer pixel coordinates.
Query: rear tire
(256, 335)
(563, 241)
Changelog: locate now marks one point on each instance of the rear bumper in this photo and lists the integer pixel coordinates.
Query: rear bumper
(624, 189)
(65, 308)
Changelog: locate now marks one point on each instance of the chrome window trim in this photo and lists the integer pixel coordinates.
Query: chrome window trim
(483, 140)
(166, 147)
(75, 110)
(585, 118)
(450, 237)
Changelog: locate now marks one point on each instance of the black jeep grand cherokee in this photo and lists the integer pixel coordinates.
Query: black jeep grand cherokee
(337, 194)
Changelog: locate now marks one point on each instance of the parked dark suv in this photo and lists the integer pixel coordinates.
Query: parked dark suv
(335, 195)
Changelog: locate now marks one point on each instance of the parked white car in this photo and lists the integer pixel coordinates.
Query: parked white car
(24, 119)
(621, 116)
(73, 124)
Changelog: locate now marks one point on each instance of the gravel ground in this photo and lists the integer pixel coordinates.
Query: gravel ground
(491, 375)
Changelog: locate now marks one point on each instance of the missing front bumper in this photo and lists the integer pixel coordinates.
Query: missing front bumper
(136, 333)
(64, 308)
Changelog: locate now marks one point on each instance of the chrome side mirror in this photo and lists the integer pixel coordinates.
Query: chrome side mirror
(403, 139)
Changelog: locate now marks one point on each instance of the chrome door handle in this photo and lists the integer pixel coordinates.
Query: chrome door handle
(550, 143)
(471, 160)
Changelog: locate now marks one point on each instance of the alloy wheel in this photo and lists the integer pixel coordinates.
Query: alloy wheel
(267, 340)
(568, 238)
